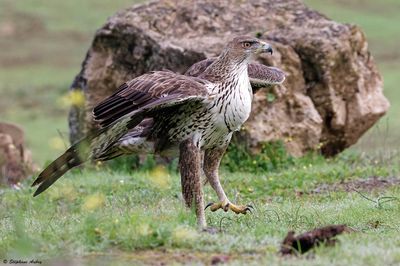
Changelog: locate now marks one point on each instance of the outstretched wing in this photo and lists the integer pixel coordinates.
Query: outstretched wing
(260, 75)
(107, 136)
(141, 98)
(263, 76)
(152, 89)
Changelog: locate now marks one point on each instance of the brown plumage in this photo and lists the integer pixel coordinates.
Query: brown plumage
(162, 111)
(146, 89)
(158, 91)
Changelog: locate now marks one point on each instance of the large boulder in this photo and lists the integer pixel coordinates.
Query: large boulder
(331, 96)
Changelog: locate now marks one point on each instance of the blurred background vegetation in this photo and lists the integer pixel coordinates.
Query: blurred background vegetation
(42, 44)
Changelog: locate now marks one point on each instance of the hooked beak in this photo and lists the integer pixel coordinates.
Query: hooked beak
(265, 48)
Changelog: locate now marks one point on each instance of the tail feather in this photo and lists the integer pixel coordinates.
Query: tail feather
(91, 147)
(74, 156)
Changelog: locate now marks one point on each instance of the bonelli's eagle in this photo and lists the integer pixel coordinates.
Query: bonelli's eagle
(162, 111)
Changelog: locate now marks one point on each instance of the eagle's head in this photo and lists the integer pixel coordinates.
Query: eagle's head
(242, 47)
(235, 57)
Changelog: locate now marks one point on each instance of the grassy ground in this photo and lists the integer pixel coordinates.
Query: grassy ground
(118, 216)
(97, 217)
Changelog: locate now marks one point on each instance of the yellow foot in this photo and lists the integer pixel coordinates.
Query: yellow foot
(229, 206)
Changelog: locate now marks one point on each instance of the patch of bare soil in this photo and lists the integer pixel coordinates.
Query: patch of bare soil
(389, 56)
(29, 42)
(374, 7)
(304, 242)
(20, 25)
(158, 257)
(366, 184)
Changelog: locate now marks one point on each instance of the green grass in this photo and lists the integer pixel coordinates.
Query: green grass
(99, 211)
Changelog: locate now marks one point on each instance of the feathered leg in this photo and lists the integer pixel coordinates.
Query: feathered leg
(190, 169)
(212, 160)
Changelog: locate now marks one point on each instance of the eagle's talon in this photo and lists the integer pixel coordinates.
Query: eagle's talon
(226, 207)
(208, 205)
(241, 209)
(229, 206)
(247, 210)
(214, 206)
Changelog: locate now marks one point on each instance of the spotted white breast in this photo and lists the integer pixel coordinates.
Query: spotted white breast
(229, 110)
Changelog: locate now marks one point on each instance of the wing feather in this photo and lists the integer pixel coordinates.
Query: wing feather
(145, 90)
(261, 75)
(110, 134)
(145, 105)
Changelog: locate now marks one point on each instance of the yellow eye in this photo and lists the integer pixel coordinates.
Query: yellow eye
(246, 45)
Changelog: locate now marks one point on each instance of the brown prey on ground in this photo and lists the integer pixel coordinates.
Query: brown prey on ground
(162, 112)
